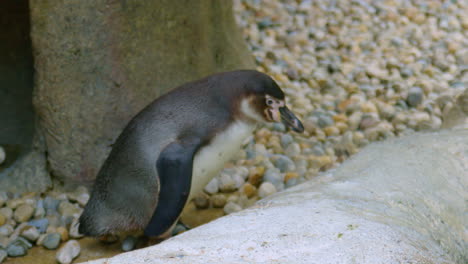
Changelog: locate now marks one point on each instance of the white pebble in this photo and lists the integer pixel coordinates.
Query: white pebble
(68, 252)
(266, 189)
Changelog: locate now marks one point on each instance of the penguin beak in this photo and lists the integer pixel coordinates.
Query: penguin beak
(290, 120)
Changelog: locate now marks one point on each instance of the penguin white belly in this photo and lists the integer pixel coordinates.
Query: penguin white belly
(212, 158)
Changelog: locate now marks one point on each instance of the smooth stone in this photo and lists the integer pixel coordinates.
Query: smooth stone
(201, 201)
(243, 172)
(273, 176)
(212, 187)
(284, 163)
(129, 243)
(238, 179)
(40, 240)
(67, 209)
(16, 250)
(23, 213)
(232, 207)
(14, 203)
(40, 211)
(324, 121)
(3, 219)
(256, 175)
(286, 139)
(6, 230)
(30, 233)
(63, 233)
(80, 195)
(293, 150)
(266, 189)
(7, 212)
(226, 183)
(280, 127)
(218, 200)
(248, 189)
(3, 255)
(50, 205)
(291, 182)
(40, 224)
(68, 252)
(51, 241)
(73, 232)
(415, 96)
(22, 242)
(4, 241)
(3, 198)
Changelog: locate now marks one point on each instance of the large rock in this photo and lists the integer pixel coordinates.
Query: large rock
(401, 201)
(98, 63)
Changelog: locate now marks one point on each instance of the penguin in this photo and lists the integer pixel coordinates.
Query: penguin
(171, 149)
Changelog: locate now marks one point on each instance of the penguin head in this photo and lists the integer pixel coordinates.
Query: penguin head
(265, 102)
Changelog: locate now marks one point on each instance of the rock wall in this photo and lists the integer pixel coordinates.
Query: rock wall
(100, 62)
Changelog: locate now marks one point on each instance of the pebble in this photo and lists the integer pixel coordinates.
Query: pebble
(14, 203)
(3, 255)
(80, 195)
(256, 175)
(51, 241)
(23, 213)
(273, 176)
(283, 163)
(66, 208)
(3, 198)
(248, 189)
(286, 139)
(63, 233)
(50, 205)
(212, 187)
(16, 250)
(73, 232)
(4, 241)
(68, 252)
(232, 207)
(41, 224)
(226, 183)
(6, 230)
(266, 189)
(30, 233)
(128, 244)
(3, 219)
(415, 96)
(218, 200)
(202, 201)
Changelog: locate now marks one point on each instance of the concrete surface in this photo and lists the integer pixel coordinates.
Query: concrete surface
(400, 201)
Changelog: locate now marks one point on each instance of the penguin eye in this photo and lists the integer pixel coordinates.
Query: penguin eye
(269, 101)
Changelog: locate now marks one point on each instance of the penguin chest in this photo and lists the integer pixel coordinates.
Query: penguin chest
(211, 159)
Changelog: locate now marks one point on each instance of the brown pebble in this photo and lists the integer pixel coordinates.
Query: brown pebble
(202, 201)
(248, 189)
(63, 233)
(2, 219)
(23, 213)
(218, 200)
(256, 175)
(290, 175)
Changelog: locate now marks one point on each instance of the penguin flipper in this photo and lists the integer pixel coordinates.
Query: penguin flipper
(174, 167)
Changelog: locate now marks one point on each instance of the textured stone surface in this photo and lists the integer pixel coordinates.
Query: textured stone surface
(406, 194)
